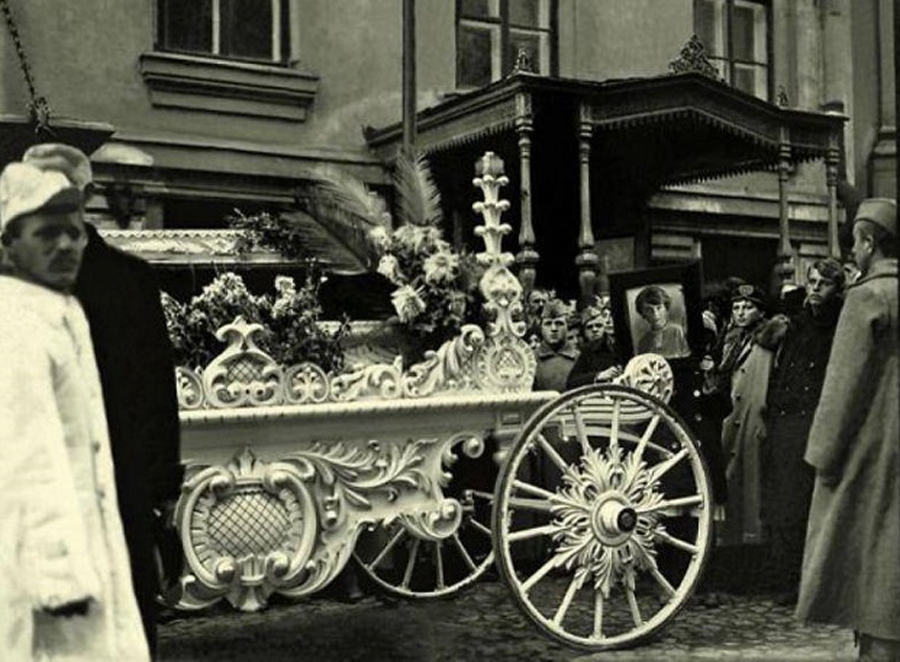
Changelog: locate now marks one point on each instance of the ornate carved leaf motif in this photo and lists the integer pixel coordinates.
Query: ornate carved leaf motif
(353, 474)
(381, 380)
(579, 548)
(189, 388)
(306, 383)
(446, 369)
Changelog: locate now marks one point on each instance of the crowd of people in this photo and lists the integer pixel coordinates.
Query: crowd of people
(793, 399)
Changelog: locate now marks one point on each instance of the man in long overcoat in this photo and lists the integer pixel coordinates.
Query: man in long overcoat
(120, 296)
(851, 567)
(65, 585)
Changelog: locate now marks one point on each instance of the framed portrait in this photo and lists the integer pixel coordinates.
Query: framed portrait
(658, 310)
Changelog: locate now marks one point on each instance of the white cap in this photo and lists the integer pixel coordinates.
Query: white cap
(25, 189)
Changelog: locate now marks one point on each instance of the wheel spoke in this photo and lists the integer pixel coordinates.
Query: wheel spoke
(439, 562)
(387, 548)
(659, 470)
(662, 581)
(534, 490)
(526, 534)
(598, 614)
(674, 506)
(581, 430)
(676, 542)
(560, 614)
(481, 528)
(551, 452)
(530, 504)
(539, 574)
(614, 434)
(642, 444)
(633, 606)
(411, 563)
(463, 552)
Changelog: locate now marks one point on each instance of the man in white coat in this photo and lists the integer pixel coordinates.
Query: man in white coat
(65, 582)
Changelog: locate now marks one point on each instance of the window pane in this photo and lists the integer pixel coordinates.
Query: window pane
(186, 25)
(246, 28)
(752, 80)
(474, 56)
(749, 31)
(531, 44)
(709, 25)
(480, 8)
(526, 13)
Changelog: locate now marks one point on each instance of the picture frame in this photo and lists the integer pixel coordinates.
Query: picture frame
(672, 320)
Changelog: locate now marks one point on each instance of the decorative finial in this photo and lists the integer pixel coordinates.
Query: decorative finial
(782, 97)
(693, 58)
(523, 63)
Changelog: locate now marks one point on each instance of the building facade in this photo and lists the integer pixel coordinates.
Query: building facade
(194, 109)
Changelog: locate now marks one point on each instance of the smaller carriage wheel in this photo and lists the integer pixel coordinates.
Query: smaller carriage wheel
(603, 517)
(409, 565)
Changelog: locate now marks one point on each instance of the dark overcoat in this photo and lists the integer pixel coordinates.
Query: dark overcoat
(851, 564)
(120, 297)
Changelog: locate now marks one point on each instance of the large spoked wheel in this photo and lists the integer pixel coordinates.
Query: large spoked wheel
(406, 564)
(603, 517)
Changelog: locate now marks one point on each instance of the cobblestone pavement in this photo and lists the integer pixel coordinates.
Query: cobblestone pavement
(484, 624)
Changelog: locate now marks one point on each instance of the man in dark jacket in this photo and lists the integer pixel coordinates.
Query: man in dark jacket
(801, 345)
(120, 296)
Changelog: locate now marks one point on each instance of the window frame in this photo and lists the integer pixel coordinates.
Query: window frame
(281, 41)
(505, 27)
(731, 62)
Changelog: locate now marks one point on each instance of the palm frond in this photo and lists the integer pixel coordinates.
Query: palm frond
(418, 198)
(333, 188)
(341, 244)
(336, 214)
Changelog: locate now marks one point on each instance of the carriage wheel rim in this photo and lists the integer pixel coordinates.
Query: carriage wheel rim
(608, 532)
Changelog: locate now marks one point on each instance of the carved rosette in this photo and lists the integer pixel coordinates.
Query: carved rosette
(242, 374)
(247, 529)
(649, 373)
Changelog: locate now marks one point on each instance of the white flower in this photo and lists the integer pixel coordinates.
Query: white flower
(440, 267)
(285, 286)
(390, 269)
(380, 236)
(407, 303)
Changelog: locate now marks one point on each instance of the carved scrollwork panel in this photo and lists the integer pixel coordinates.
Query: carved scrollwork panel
(242, 374)
(189, 388)
(306, 383)
(247, 528)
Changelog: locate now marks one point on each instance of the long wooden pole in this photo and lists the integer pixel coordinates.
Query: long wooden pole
(409, 77)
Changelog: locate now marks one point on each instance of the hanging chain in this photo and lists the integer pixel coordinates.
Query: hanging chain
(38, 106)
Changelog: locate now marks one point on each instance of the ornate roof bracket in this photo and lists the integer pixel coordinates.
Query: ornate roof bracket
(693, 58)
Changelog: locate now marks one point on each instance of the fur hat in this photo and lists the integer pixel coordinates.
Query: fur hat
(66, 159)
(25, 189)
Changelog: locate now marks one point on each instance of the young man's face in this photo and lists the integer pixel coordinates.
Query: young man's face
(744, 312)
(594, 328)
(820, 289)
(47, 248)
(554, 330)
(656, 314)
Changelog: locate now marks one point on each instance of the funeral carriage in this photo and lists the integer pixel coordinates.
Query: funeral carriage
(593, 505)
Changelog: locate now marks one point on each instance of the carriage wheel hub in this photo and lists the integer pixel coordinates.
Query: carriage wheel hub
(613, 519)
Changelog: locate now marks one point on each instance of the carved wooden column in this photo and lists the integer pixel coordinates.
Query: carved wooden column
(832, 161)
(784, 270)
(587, 260)
(527, 258)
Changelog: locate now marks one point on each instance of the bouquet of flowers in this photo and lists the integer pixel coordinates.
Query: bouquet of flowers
(290, 320)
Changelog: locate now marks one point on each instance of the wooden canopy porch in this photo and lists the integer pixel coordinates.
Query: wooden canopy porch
(584, 154)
